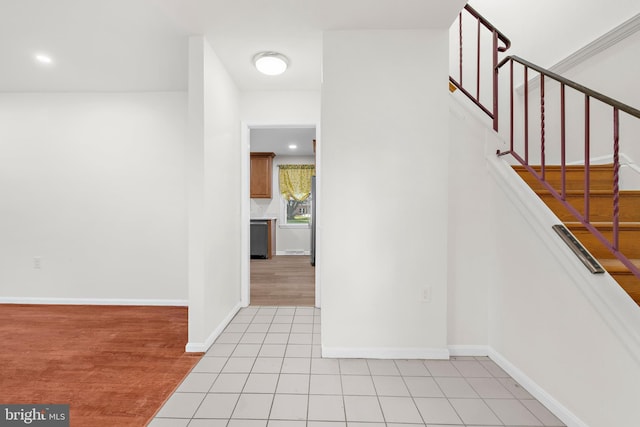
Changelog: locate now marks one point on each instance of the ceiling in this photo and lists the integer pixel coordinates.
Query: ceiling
(142, 45)
(277, 140)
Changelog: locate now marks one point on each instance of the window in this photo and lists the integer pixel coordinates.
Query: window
(295, 193)
(295, 212)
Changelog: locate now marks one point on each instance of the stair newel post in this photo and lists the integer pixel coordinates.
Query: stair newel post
(495, 80)
(563, 142)
(616, 177)
(587, 155)
(542, 123)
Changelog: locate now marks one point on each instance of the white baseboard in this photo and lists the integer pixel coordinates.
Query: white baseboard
(202, 347)
(385, 353)
(468, 350)
(294, 252)
(93, 301)
(559, 410)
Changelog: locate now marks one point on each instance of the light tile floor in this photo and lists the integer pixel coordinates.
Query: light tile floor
(265, 370)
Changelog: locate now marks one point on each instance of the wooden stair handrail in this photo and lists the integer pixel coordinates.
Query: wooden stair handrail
(577, 86)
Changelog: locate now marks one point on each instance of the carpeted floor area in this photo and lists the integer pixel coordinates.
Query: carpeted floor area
(114, 365)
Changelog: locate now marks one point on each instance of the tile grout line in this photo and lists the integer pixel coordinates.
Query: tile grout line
(411, 394)
(247, 379)
(281, 365)
(279, 371)
(252, 365)
(466, 380)
(447, 397)
(310, 369)
(344, 401)
(384, 419)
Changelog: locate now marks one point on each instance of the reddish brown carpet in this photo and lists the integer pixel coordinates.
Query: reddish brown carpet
(114, 365)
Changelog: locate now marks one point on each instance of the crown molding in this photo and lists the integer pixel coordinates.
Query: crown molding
(602, 43)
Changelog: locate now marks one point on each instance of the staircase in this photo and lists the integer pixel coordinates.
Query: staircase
(479, 82)
(600, 216)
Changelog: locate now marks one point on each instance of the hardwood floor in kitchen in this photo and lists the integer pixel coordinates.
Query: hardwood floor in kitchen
(284, 280)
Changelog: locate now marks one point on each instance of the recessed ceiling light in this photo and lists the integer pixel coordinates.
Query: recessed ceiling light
(43, 58)
(292, 146)
(271, 63)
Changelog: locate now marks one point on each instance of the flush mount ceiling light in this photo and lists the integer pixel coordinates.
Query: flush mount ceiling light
(43, 58)
(292, 146)
(271, 63)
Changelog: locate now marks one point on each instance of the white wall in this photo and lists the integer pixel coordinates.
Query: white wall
(383, 200)
(93, 184)
(287, 238)
(470, 256)
(280, 108)
(213, 175)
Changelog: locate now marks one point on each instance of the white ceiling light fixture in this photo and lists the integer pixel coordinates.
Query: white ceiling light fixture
(292, 146)
(271, 63)
(43, 58)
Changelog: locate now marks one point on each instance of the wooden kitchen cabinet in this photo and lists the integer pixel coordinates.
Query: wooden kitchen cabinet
(261, 175)
(271, 239)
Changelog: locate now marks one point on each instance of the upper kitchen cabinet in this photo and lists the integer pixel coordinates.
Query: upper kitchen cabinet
(261, 175)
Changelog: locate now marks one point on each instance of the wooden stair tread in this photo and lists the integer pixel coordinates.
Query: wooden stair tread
(600, 202)
(614, 265)
(605, 225)
(592, 192)
(608, 166)
(601, 177)
(628, 243)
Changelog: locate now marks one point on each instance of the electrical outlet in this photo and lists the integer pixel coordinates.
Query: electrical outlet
(425, 294)
(37, 263)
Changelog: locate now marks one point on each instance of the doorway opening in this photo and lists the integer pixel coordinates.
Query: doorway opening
(282, 161)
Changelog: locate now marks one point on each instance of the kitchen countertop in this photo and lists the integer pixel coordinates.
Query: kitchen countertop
(264, 218)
